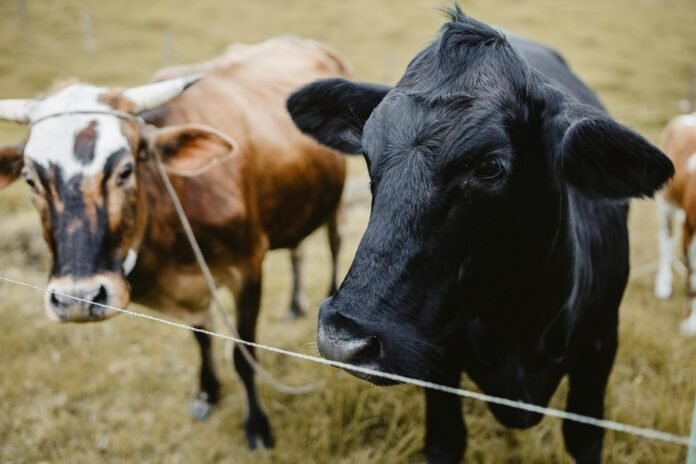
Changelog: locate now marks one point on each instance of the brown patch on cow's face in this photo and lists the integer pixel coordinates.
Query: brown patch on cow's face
(85, 143)
(44, 197)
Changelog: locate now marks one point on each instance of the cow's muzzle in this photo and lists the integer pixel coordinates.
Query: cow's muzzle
(345, 339)
(86, 299)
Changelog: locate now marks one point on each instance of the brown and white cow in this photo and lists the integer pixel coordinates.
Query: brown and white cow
(111, 228)
(678, 201)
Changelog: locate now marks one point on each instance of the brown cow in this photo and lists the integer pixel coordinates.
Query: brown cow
(112, 230)
(678, 201)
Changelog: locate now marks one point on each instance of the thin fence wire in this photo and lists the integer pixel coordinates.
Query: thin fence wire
(651, 434)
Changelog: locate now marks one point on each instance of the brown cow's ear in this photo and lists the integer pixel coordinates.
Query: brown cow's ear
(11, 163)
(189, 149)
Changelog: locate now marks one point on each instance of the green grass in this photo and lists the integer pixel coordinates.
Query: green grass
(119, 391)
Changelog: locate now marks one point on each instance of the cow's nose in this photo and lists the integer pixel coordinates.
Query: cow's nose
(342, 338)
(79, 303)
(79, 300)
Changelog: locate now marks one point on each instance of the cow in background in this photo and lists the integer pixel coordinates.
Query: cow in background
(497, 242)
(678, 201)
(111, 228)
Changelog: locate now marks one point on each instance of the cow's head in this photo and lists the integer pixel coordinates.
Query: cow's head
(464, 154)
(83, 160)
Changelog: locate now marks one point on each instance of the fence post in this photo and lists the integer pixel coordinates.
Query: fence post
(87, 31)
(691, 459)
(168, 49)
(22, 10)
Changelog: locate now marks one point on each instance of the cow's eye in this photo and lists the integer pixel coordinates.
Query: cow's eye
(124, 174)
(29, 179)
(489, 169)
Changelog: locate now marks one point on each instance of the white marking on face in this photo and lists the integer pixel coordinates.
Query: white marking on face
(52, 140)
(691, 163)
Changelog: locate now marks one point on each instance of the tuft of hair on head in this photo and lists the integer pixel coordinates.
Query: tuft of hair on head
(465, 30)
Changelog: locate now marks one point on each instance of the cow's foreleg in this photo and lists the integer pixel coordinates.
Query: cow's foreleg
(298, 301)
(258, 429)
(663, 278)
(588, 379)
(688, 326)
(334, 234)
(445, 431)
(209, 392)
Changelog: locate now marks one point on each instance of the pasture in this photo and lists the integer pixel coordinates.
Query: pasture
(119, 391)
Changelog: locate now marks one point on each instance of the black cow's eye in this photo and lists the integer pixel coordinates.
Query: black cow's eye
(489, 169)
(125, 173)
(29, 179)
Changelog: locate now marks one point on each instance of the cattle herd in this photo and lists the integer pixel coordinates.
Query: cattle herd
(497, 243)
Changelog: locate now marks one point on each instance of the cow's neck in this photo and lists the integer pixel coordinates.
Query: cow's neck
(539, 278)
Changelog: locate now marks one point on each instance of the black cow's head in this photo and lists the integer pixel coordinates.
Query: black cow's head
(83, 160)
(470, 144)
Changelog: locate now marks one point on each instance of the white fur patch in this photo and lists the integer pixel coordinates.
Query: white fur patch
(691, 163)
(129, 262)
(52, 140)
(663, 278)
(688, 325)
(688, 119)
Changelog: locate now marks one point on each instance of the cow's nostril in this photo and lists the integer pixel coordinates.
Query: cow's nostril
(97, 309)
(357, 352)
(101, 296)
(370, 351)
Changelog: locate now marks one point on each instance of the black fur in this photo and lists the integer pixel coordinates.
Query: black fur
(497, 242)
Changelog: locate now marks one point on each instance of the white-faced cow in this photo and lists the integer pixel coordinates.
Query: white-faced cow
(679, 201)
(497, 241)
(112, 230)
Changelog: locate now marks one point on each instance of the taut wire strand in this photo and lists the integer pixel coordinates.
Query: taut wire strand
(648, 433)
(212, 288)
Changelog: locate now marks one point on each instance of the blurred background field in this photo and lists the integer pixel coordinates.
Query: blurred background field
(119, 391)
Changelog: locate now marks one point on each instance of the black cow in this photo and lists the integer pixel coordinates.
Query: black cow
(497, 241)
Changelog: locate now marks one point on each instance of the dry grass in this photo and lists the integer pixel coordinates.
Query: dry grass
(119, 391)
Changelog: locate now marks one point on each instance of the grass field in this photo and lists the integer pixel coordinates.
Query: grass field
(119, 391)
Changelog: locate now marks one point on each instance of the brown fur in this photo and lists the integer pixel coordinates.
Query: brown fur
(679, 144)
(278, 189)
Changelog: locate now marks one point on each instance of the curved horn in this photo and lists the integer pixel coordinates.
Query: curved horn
(15, 110)
(150, 96)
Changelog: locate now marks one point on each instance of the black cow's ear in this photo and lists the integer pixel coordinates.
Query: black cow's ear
(603, 159)
(11, 163)
(334, 111)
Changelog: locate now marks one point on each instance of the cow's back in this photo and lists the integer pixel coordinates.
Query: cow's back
(297, 183)
(679, 144)
(555, 69)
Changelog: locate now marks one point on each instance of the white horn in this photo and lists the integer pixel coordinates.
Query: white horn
(150, 96)
(15, 110)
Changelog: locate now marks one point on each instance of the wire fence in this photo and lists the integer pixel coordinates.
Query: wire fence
(648, 433)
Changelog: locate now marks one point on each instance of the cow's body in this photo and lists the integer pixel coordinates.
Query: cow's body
(90, 166)
(497, 242)
(678, 201)
(280, 187)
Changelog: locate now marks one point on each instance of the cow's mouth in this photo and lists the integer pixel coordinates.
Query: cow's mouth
(374, 379)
